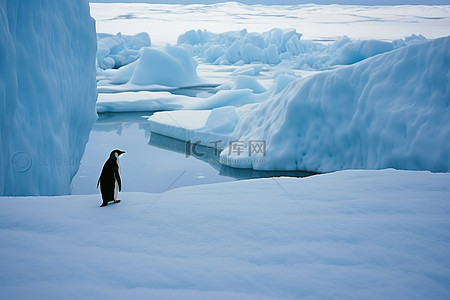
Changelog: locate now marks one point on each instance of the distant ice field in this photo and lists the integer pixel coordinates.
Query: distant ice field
(164, 23)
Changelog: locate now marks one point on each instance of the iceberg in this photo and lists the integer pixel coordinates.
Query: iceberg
(47, 93)
(169, 67)
(388, 111)
(392, 110)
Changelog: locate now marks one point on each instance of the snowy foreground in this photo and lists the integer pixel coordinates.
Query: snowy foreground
(346, 235)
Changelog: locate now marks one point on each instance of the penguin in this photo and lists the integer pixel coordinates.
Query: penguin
(109, 180)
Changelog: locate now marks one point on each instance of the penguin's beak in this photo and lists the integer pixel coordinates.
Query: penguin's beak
(122, 152)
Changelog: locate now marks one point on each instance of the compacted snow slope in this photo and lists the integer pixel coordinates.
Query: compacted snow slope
(347, 235)
(47, 93)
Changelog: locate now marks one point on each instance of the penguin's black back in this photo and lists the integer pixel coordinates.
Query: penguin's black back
(107, 179)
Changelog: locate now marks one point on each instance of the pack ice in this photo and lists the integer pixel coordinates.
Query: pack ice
(47, 93)
(278, 45)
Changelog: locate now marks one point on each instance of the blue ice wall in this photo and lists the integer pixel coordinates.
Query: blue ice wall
(47, 93)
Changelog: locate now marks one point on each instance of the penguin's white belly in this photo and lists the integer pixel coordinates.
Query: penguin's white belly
(116, 189)
(116, 184)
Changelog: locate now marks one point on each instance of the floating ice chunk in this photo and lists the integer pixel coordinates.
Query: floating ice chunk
(163, 100)
(353, 52)
(194, 37)
(248, 82)
(412, 39)
(223, 119)
(251, 53)
(251, 70)
(227, 98)
(123, 75)
(232, 54)
(213, 53)
(281, 81)
(170, 67)
(137, 41)
(271, 55)
(115, 51)
(186, 126)
(140, 101)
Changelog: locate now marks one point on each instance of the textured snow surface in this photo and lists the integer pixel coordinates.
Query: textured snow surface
(47, 93)
(348, 235)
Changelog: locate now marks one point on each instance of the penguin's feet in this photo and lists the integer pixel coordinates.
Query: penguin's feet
(106, 203)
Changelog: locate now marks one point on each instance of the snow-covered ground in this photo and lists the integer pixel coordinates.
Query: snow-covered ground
(345, 235)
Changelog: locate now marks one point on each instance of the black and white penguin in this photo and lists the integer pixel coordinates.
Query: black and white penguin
(110, 182)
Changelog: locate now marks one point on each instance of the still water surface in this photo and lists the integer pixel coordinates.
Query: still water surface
(152, 162)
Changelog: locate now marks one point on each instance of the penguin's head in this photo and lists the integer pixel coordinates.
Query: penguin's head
(116, 153)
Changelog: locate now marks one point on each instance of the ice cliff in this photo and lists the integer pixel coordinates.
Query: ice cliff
(47, 93)
(391, 110)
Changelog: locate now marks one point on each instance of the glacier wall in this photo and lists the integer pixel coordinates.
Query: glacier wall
(47, 93)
